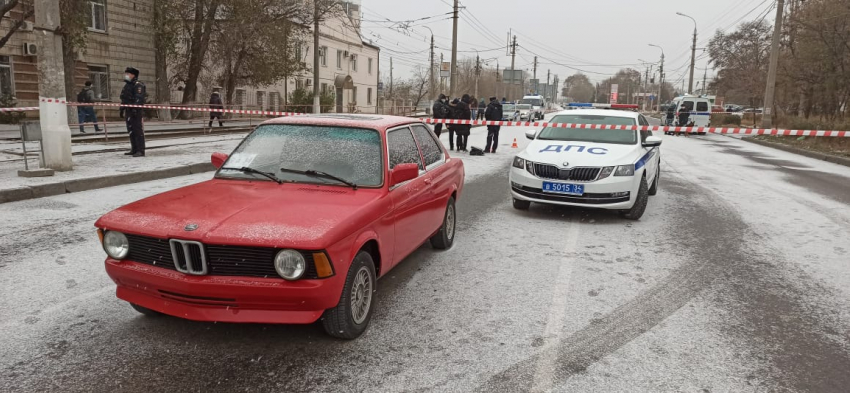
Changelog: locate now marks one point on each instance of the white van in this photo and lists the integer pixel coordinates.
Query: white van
(538, 106)
(699, 108)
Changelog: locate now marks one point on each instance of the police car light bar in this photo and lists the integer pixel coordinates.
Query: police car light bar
(602, 106)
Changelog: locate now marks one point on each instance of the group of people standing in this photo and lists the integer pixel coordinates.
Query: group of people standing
(467, 108)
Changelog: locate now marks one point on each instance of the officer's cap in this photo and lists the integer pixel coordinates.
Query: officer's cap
(132, 70)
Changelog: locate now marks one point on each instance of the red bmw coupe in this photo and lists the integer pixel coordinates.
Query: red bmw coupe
(296, 226)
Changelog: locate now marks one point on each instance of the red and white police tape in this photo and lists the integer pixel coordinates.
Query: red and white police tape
(711, 130)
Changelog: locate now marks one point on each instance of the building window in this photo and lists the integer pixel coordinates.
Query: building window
(299, 84)
(323, 56)
(240, 97)
(99, 77)
(354, 95)
(370, 66)
(298, 52)
(6, 84)
(261, 100)
(339, 59)
(354, 63)
(324, 88)
(369, 96)
(97, 15)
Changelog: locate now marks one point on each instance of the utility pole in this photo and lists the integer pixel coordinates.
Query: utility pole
(645, 88)
(536, 83)
(548, 93)
(317, 107)
(498, 79)
(513, 64)
(453, 80)
(704, 77)
(770, 90)
(391, 82)
(693, 59)
(442, 80)
(431, 71)
(477, 73)
(56, 135)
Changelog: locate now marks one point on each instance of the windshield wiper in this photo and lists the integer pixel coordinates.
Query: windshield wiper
(257, 171)
(326, 175)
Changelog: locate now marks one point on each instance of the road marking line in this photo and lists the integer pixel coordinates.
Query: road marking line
(546, 364)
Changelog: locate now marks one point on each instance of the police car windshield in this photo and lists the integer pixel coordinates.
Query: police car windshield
(508, 107)
(531, 101)
(523, 107)
(352, 154)
(621, 137)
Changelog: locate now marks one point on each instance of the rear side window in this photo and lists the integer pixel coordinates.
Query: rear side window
(688, 105)
(430, 148)
(403, 149)
(702, 107)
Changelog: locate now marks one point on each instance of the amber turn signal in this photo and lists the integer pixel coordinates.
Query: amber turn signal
(323, 265)
(100, 235)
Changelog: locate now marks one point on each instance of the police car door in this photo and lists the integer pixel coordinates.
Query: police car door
(650, 154)
(701, 115)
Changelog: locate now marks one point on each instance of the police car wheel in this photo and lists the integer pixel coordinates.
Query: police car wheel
(654, 189)
(521, 205)
(445, 237)
(636, 212)
(145, 311)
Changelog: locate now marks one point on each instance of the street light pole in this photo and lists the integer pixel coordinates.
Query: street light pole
(431, 86)
(660, 76)
(693, 53)
(453, 77)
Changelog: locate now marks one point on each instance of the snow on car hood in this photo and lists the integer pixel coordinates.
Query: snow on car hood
(238, 212)
(572, 154)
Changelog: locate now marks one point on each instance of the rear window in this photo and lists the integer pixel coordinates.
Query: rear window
(702, 107)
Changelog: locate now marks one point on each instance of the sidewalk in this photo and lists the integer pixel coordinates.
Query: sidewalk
(13, 131)
(107, 168)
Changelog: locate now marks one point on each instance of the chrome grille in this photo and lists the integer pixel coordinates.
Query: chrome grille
(545, 171)
(189, 257)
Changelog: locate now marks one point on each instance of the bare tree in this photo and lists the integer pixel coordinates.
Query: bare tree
(27, 11)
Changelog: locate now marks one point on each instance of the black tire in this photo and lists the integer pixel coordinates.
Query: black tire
(636, 212)
(654, 189)
(521, 205)
(445, 237)
(340, 321)
(145, 311)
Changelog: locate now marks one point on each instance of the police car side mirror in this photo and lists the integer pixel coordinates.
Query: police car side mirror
(652, 141)
(530, 134)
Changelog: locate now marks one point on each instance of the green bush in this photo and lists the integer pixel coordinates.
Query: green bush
(300, 101)
(7, 101)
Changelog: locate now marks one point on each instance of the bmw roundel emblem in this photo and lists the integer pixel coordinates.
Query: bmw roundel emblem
(190, 227)
(566, 164)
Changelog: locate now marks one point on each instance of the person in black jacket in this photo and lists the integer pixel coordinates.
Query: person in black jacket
(463, 130)
(440, 110)
(671, 114)
(216, 103)
(493, 112)
(134, 93)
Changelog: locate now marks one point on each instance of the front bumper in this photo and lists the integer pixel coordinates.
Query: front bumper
(597, 194)
(224, 299)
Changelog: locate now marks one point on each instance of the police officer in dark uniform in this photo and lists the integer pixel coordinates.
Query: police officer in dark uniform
(134, 94)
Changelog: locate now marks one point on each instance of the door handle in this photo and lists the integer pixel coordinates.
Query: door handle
(428, 181)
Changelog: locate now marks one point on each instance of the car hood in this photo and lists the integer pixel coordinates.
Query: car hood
(239, 212)
(572, 154)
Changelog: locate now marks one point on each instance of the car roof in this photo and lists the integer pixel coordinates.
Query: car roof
(600, 112)
(378, 122)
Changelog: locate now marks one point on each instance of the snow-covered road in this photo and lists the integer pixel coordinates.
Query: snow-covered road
(736, 279)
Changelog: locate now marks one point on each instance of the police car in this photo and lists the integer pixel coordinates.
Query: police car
(601, 168)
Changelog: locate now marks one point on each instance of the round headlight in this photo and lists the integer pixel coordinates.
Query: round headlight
(116, 244)
(290, 264)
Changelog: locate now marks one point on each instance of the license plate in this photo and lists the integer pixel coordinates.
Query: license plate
(563, 188)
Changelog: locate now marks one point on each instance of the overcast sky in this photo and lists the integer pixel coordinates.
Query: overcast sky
(598, 37)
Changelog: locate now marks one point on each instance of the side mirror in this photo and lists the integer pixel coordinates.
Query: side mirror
(530, 134)
(218, 159)
(402, 173)
(652, 141)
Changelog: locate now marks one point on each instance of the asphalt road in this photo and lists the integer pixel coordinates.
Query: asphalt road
(736, 279)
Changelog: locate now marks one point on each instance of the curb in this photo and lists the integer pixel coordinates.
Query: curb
(93, 183)
(803, 152)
